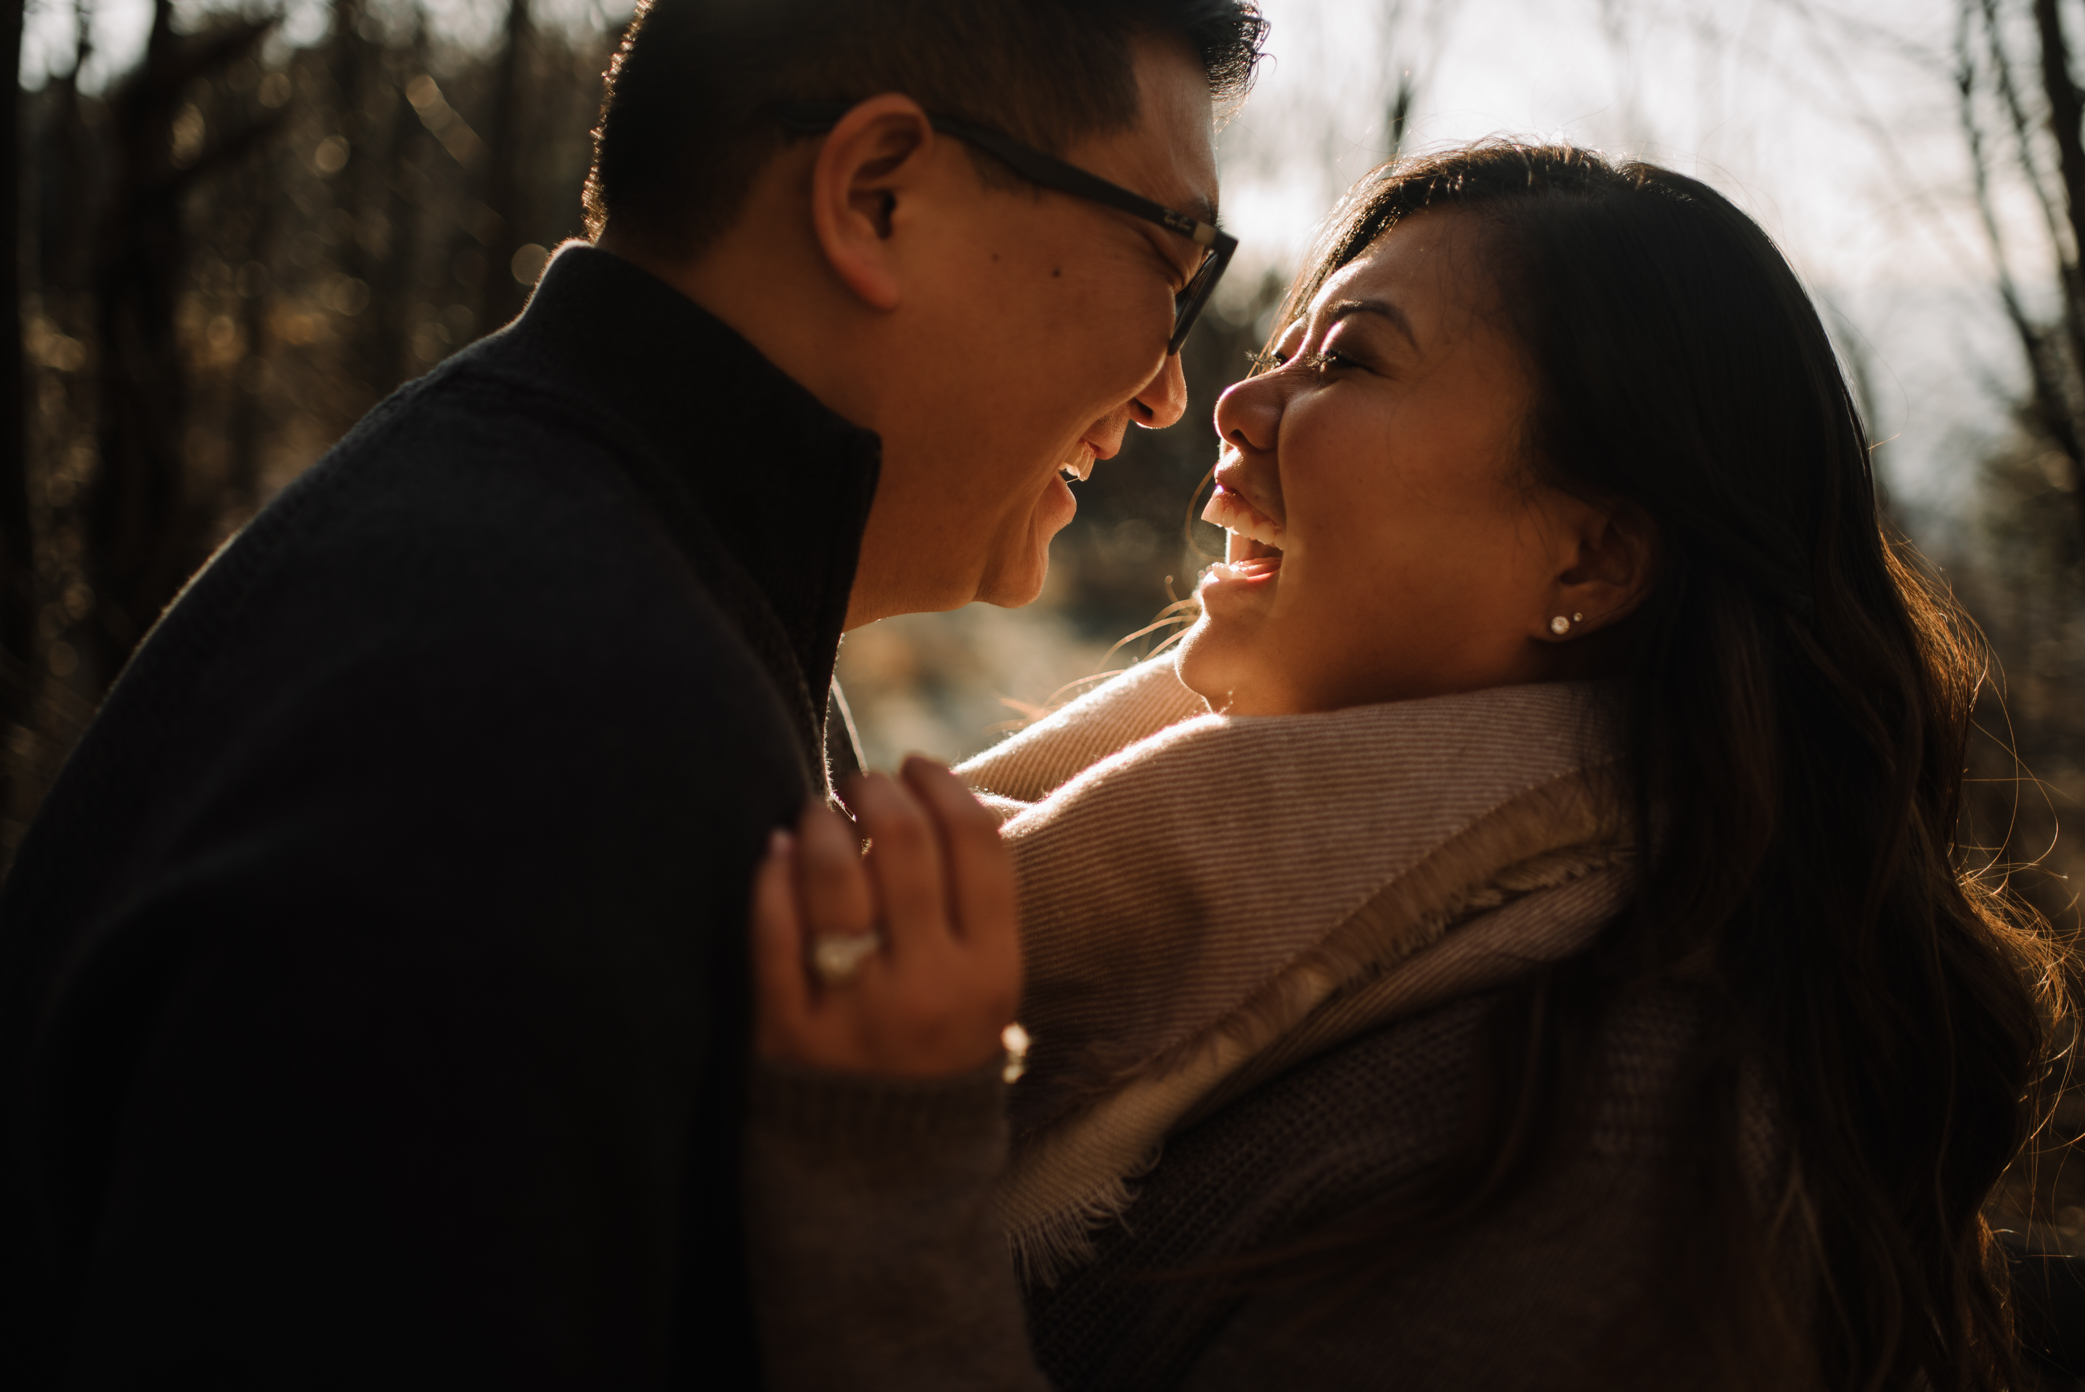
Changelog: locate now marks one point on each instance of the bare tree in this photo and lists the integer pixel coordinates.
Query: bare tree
(1399, 117)
(2039, 110)
(499, 297)
(144, 532)
(17, 558)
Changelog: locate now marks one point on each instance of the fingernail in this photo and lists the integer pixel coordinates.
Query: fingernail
(778, 843)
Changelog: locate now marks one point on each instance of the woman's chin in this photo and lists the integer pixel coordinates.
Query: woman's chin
(1210, 662)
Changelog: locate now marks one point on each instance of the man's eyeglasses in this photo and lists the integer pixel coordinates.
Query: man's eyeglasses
(1052, 173)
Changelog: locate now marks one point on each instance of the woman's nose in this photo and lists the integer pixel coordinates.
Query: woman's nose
(1249, 414)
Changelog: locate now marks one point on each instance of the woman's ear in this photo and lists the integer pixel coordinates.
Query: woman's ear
(1610, 561)
(869, 165)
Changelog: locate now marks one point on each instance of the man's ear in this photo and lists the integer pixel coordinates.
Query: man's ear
(1610, 561)
(869, 165)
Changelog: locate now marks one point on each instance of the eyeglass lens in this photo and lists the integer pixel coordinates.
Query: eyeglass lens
(1187, 305)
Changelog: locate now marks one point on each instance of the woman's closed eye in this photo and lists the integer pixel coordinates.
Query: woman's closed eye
(1319, 361)
(1279, 354)
(1325, 361)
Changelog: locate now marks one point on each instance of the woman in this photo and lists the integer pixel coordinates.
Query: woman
(1548, 964)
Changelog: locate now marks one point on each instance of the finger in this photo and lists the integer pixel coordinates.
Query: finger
(904, 863)
(781, 987)
(980, 870)
(835, 893)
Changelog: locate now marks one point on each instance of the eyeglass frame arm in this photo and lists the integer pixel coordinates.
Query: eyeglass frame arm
(1053, 173)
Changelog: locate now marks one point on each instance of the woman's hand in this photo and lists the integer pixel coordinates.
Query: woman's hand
(930, 993)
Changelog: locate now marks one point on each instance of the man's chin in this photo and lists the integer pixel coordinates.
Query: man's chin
(1019, 568)
(1013, 591)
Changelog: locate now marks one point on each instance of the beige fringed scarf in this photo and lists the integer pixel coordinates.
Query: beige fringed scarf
(1207, 900)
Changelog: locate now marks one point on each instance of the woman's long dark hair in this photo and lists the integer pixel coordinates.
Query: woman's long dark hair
(1799, 703)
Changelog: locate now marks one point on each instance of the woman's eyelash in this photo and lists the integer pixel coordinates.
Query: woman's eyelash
(1274, 359)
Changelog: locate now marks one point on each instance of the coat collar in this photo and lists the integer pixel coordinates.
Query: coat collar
(764, 487)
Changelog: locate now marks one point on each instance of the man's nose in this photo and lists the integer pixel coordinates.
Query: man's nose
(1163, 399)
(1248, 415)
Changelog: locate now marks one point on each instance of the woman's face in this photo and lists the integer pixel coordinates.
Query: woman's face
(1385, 541)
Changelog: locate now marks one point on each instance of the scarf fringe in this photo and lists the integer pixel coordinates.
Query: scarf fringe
(1061, 1241)
(1052, 1244)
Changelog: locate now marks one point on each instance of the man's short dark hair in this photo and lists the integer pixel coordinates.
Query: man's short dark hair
(688, 119)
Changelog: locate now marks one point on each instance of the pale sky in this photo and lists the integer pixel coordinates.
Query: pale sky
(1779, 111)
(1831, 122)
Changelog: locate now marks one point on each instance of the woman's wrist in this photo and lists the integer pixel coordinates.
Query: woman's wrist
(810, 1102)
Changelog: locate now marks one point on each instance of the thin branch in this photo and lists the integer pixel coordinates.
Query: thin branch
(2050, 404)
(1936, 64)
(2023, 135)
(1857, 110)
(2067, 124)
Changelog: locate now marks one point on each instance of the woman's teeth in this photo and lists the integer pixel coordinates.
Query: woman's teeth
(1079, 469)
(1231, 512)
(1244, 568)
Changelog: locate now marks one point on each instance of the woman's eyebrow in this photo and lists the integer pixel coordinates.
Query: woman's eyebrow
(1341, 309)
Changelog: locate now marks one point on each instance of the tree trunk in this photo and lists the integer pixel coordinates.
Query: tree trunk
(501, 296)
(144, 533)
(17, 559)
(134, 545)
(2067, 125)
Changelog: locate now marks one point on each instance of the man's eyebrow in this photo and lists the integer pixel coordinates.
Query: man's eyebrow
(1340, 309)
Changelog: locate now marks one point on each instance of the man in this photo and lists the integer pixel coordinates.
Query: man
(371, 986)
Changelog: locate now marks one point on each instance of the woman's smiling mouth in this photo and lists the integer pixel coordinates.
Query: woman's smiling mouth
(1227, 508)
(1254, 552)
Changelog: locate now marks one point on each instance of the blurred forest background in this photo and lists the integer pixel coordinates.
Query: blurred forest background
(231, 229)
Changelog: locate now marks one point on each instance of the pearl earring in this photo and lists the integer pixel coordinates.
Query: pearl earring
(1561, 625)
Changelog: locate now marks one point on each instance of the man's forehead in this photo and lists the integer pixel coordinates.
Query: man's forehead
(1169, 156)
(1178, 117)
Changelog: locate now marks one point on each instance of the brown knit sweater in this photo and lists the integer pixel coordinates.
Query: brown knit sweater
(880, 1261)
(880, 1265)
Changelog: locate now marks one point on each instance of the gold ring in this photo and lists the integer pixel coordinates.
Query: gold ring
(837, 957)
